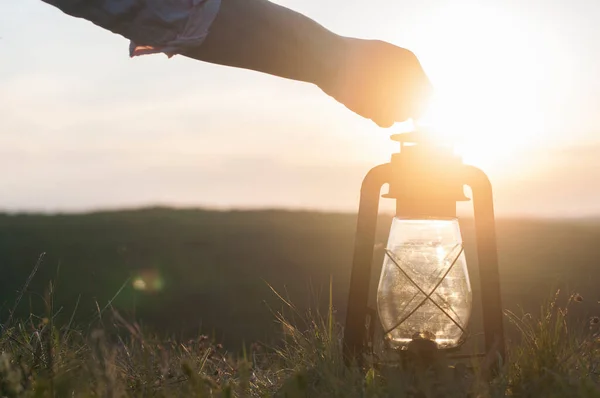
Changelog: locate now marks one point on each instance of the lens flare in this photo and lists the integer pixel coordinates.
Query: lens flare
(148, 280)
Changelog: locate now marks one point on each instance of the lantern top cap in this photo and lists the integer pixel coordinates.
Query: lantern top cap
(413, 137)
(421, 135)
(424, 138)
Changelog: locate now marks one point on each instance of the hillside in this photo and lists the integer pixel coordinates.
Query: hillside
(213, 268)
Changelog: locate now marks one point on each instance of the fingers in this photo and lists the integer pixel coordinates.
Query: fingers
(384, 124)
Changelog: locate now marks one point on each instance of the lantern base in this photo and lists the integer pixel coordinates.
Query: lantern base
(424, 352)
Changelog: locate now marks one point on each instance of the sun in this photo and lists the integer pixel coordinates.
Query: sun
(487, 68)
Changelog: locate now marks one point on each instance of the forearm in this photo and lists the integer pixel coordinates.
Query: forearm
(250, 34)
(265, 37)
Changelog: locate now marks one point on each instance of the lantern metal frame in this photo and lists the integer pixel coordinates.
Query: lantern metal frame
(355, 332)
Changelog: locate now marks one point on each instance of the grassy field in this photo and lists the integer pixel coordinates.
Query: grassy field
(180, 274)
(212, 270)
(115, 358)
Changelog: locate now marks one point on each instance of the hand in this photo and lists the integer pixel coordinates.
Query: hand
(379, 81)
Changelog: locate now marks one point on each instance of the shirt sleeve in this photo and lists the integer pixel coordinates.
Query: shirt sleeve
(152, 26)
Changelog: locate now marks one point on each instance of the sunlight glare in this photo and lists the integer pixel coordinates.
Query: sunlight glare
(490, 87)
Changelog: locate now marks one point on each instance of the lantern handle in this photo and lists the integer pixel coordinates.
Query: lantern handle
(360, 280)
(487, 254)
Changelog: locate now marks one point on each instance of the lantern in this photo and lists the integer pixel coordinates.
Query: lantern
(424, 292)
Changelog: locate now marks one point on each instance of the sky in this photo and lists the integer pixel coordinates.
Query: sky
(85, 127)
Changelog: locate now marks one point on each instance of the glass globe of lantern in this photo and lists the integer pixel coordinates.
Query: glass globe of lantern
(424, 289)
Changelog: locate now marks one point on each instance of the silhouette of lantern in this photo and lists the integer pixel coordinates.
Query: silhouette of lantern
(424, 292)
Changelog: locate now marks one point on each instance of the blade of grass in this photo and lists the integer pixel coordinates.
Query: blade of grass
(25, 287)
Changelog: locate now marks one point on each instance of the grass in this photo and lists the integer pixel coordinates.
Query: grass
(555, 358)
(114, 357)
(95, 336)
